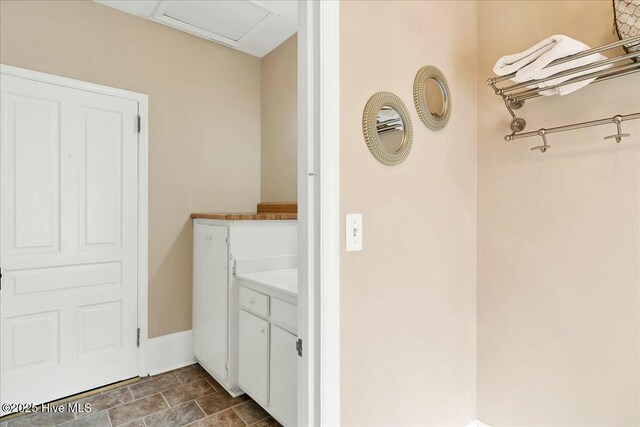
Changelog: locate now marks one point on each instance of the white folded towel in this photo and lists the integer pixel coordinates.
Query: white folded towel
(529, 65)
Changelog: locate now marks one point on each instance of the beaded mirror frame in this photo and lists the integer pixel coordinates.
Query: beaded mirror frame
(370, 128)
(432, 120)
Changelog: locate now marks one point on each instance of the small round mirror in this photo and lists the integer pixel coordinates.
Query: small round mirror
(390, 129)
(387, 128)
(435, 97)
(432, 97)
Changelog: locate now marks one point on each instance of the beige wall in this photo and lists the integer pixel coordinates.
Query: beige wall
(408, 299)
(204, 107)
(557, 234)
(279, 130)
(558, 238)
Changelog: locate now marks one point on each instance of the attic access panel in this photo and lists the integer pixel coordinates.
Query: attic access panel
(225, 21)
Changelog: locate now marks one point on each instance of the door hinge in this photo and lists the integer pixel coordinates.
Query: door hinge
(138, 339)
(139, 124)
(0, 279)
(299, 347)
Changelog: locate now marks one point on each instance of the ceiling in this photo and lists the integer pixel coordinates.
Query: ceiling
(251, 26)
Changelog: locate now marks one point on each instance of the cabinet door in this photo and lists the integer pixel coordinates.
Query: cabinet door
(283, 394)
(253, 374)
(210, 290)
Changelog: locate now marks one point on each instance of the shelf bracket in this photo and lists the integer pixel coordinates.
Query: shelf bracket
(517, 124)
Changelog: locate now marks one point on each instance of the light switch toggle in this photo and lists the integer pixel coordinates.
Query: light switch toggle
(353, 232)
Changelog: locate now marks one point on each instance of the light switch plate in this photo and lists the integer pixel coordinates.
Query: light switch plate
(353, 230)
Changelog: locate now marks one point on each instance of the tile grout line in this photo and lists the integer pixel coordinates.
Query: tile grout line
(233, 409)
(135, 400)
(203, 411)
(256, 421)
(198, 405)
(267, 417)
(230, 407)
(213, 414)
(157, 412)
(165, 400)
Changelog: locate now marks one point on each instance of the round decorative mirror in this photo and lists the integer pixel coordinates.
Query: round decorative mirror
(387, 128)
(432, 97)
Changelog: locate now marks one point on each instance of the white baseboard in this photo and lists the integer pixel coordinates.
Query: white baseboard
(170, 352)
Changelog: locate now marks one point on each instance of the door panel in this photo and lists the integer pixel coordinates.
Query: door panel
(68, 240)
(101, 178)
(283, 396)
(253, 356)
(210, 290)
(38, 352)
(100, 328)
(69, 278)
(32, 178)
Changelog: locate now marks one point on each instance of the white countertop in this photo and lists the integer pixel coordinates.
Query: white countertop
(281, 280)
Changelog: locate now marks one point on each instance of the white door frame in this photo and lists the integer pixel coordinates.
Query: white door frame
(143, 180)
(319, 212)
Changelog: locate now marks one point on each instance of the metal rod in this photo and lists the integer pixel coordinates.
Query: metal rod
(526, 93)
(602, 74)
(599, 79)
(571, 71)
(613, 76)
(574, 56)
(614, 119)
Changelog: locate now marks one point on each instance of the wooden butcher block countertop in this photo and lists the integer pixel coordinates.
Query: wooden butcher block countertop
(265, 211)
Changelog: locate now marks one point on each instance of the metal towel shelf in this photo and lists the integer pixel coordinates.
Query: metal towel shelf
(515, 95)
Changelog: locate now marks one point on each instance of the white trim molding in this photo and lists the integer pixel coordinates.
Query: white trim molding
(328, 163)
(23, 73)
(319, 212)
(170, 352)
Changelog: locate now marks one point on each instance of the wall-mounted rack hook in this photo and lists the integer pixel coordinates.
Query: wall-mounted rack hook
(543, 148)
(618, 136)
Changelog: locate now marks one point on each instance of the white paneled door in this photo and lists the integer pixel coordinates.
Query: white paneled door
(68, 232)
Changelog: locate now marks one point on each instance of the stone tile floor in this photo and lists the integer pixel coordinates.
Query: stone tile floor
(184, 397)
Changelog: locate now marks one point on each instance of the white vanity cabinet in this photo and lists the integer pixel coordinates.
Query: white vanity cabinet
(268, 356)
(210, 294)
(254, 356)
(216, 244)
(283, 374)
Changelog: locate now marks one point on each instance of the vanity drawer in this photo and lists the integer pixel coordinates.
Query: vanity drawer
(254, 301)
(284, 313)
